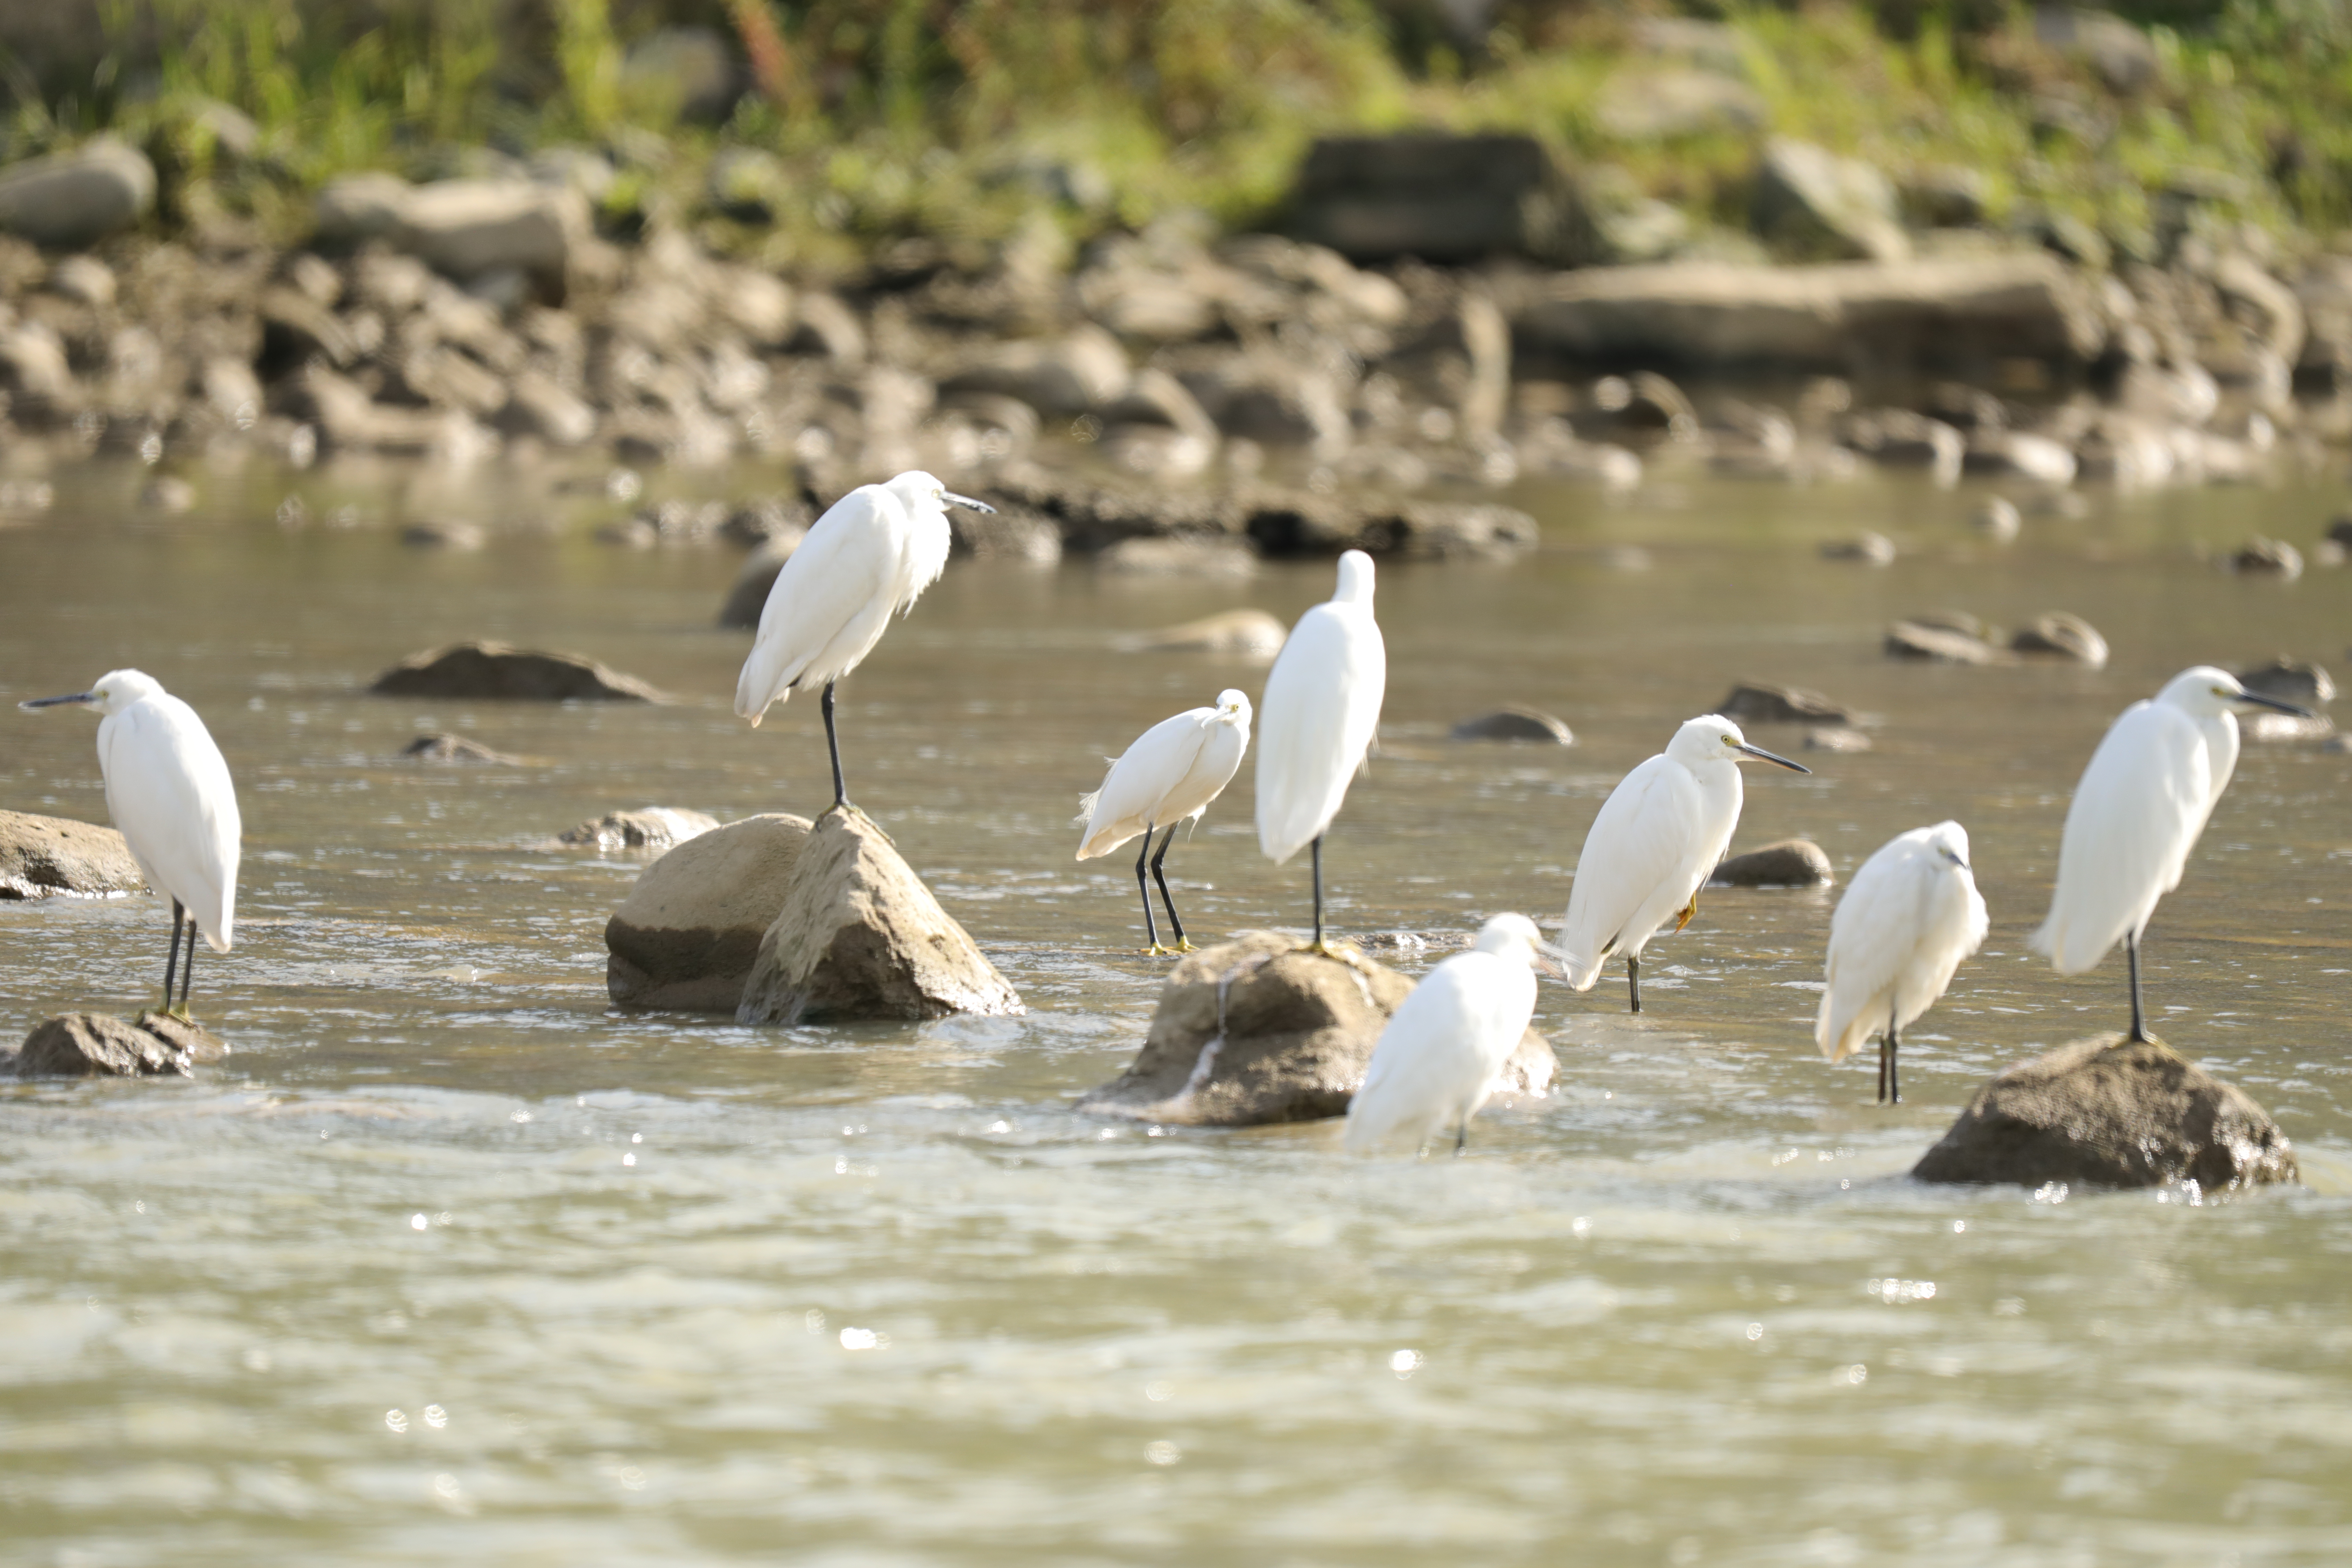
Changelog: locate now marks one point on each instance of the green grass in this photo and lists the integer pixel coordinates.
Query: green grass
(899, 117)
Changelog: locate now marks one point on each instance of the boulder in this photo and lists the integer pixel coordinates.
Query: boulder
(2110, 1112)
(1514, 723)
(1879, 317)
(748, 595)
(2060, 634)
(1818, 207)
(500, 672)
(1751, 702)
(1792, 863)
(1869, 548)
(685, 936)
(649, 827)
(2012, 454)
(2266, 558)
(53, 856)
(1938, 645)
(1248, 633)
(69, 200)
(455, 749)
(461, 228)
(1996, 519)
(1432, 194)
(2294, 680)
(859, 936)
(94, 1045)
(1260, 1029)
(1900, 439)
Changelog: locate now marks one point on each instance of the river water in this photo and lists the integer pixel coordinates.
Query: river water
(449, 1262)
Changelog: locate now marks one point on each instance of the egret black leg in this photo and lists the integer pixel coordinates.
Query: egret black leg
(1893, 1055)
(172, 963)
(1318, 892)
(1461, 1137)
(1160, 876)
(187, 969)
(1633, 978)
(832, 746)
(1143, 887)
(2139, 1018)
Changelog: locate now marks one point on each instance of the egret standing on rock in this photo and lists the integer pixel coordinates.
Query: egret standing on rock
(168, 790)
(1907, 919)
(2135, 816)
(871, 554)
(1168, 776)
(1660, 834)
(1316, 722)
(1436, 1060)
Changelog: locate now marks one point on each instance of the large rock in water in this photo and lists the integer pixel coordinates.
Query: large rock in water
(859, 936)
(2111, 1112)
(49, 857)
(497, 670)
(93, 1045)
(685, 936)
(1790, 863)
(69, 200)
(1262, 1029)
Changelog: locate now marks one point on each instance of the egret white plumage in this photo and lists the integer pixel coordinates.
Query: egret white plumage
(1436, 1060)
(1317, 720)
(870, 556)
(1166, 778)
(1658, 837)
(2137, 814)
(168, 790)
(1908, 918)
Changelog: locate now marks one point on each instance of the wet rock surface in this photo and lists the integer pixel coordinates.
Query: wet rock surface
(1790, 863)
(2110, 1112)
(2294, 680)
(1754, 703)
(859, 936)
(649, 827)
(501, 671)
(1260, 1029)
(687, 934)
(52, 857)
(2057, 635)
(95, 1045)
(1514, 723)
(1928, 643)
(455, 749)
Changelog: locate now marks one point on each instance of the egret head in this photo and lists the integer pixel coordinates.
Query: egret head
(1234, 707)
(1515, 936)
(917, 488)
(1950, 840)
(115, 690)
(2205, 692)
(1355, 579)
(1712, 738)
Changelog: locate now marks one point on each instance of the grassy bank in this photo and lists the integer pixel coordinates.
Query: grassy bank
(964, 119)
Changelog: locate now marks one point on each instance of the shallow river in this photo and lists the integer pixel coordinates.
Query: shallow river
(450, 1263)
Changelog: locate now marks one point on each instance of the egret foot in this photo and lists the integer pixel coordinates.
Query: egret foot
(1682, 917)
(1183, 945)
(1322, 949)
(1158, 949)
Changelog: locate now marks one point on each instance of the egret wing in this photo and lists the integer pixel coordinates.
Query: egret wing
(169, 791)
(841, 572)
(2135, 816)
(1639, 847)
(1316, 722)
(1879, 925)
(1437, 1059)
(1146, 773)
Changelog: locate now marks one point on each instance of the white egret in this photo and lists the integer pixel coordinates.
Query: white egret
(1436, 1060)
(1907, 919)
(871, 554)
(1316, 722)
(1167, 777)
(2135, 816)
(1658, 837)
(168, 790)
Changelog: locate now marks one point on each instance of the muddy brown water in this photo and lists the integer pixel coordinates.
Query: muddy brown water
(451, 1262)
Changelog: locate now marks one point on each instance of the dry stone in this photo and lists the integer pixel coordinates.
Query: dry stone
(94, 1045)
(69, 200)
(2110, 1112)
(499, 670)
(51, 857)
(1262, 1029)
(685, 936)
(860, 936)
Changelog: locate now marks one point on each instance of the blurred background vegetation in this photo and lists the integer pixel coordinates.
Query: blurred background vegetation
(843, 123)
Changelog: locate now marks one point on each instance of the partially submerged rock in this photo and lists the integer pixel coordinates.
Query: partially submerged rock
(2110, 1112)
(1754, 702)
(1248, 633)
(1790, 863)
(860, 936)
(499, 670)
(1938, 645)
(1869, 548)
(455, 749)
(2266, 557)
(52, 857)
(94, 1045)
(2060, 634)
(1836, 738)
(1261, 1029)
(753, 583)
(2295, 680)
(1516, 723)
(649, 827)
(685, 936)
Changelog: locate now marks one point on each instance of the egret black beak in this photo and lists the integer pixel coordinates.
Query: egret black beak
(951, 498)
(1763, 756)
(1955, 859)
(2257, 696)
(59, 701)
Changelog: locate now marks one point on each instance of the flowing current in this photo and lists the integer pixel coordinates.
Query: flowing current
(451, 1262)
